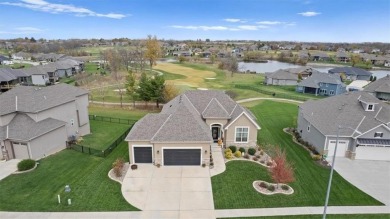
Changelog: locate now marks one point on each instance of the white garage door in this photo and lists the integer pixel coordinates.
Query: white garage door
(372, 152)
(21, 150)
(341, 148)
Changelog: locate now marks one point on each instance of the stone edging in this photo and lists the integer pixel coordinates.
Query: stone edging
(267, 192)
(112, 176)
(26, 171)
(244, 159)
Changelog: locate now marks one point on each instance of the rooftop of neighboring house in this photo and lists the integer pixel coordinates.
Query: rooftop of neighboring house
(347, 110)
(381, 85)
(30, 99)
(317, 77)
(320, 54)
(6, 75)
(350, 71)
(282, 74)
(181, 119)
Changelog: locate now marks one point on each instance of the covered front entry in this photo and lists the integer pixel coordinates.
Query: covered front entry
(142, 154)
(216, 132)
(178, 157)
(341, 148)
(20, 150)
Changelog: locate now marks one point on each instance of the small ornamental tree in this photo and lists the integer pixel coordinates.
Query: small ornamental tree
(282, 171)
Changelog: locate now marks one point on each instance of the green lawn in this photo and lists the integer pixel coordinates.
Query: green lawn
(132, 114)
(103, 134)
(233, 188)
(330, 216)
(92, 190)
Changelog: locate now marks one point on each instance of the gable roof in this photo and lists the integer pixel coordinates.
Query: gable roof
(24, 128)
(346, 110)
(350, 71)
(282, 74)
(318, 77)
(34, 99)
(6, 75)
(380, 85)
(215, 110)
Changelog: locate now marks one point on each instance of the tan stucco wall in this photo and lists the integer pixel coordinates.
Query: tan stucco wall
(230, 133)
(157, 157)
(49, 143)
(5, 119)
(216, 121)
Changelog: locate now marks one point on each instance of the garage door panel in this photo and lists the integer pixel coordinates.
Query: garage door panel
(143, 155)
(341, 148)
(372, 153)
(182, 157)
(21, 151)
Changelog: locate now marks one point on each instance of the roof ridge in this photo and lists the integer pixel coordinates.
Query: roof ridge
(161, 127)
(191, 104)
(222, 106)
(233, 110)
(208, 105)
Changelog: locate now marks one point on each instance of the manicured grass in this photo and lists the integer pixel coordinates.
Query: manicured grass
(103, 134)
(330, 216)
(170, 76)
(92, 190)
(233, 188)
(132, 114)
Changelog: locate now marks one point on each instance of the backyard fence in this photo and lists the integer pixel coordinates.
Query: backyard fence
(113, 145)
(278, 95)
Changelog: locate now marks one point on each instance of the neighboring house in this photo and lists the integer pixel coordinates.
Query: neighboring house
(187, 126)
(357, 85)
(7, 79)
(380, 88)
(305, 72)
(351, 73)
(320, 56)
(38, 74)
(322, 84)
(281, 77)
(342, 56)
(38, 121)
(304, 55)
(182, 53)
(5, 60)
(21, 56)
(364, 121)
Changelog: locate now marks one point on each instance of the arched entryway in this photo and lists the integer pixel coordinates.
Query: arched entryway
(216, 132)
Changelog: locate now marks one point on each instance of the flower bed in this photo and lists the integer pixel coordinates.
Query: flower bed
(112, 175)
(267, 188)
(259, 156)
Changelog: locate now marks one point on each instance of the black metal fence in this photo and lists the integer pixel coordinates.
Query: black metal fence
(113, 145)
(278, 95)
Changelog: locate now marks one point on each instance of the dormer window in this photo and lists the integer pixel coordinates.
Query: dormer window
(378, 134)
(370, 107)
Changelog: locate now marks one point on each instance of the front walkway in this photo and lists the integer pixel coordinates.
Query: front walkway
(219, 161)
(176, 190)
(8, 167)
(372, 177)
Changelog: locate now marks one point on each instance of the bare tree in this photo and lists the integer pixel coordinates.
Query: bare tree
(115, 61)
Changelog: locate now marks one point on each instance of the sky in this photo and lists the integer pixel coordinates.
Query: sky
(265, 20)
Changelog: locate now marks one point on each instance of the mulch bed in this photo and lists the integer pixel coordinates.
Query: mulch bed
(278, 189)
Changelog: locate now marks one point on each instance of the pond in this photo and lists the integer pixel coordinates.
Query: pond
(272, 66)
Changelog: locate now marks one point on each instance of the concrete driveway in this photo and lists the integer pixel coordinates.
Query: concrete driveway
(372, 177)
(182, 189)
(8, 167)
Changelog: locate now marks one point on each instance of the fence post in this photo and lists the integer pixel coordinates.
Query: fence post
(82, 149)
(89, 150)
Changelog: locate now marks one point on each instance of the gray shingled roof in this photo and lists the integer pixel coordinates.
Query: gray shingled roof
(215, 110)
(374, 141)
(346, 110)
(24, 128)
(181, 118)
(317, 77)
(35, 99)
(35, 70)
(282, 74)
(350, 71)
(380, 85)
(6, 75)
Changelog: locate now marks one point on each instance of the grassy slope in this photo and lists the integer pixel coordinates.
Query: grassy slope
(92, 190)
(117, 112)
(233, 188)
(103, 134)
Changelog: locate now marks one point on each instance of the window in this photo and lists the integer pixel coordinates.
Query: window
(378, 135)
(308, 127)
(323, 91)
(242, 134)
(370, 107)
(331, 92)
(326, 85)
(72, 122)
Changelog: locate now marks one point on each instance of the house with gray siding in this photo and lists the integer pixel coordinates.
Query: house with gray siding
(183, 132)
(281, 77)
(364, 122)
(351, 73)
(38, 121)
(322, 84)
(380, 88)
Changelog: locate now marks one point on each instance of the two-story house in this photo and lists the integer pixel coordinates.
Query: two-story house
(322, 84)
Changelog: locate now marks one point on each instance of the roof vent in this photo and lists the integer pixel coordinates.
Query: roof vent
(340, 108)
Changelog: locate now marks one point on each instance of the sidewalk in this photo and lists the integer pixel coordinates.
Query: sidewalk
(8, 167)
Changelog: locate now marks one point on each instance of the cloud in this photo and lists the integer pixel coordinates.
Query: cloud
(23, 30)
(270, 22)
(309, 13)
(252, 27)
(206, 28)
(234, 20)
(44, 6)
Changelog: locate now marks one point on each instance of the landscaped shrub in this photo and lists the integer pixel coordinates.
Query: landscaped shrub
(316, 157)
(262, 161)
(255, 158)
(251, 151)
(269, 163)
(263, 185)
(242, 150)
(237, 154)
(261, 152)
(26, 164)
(258, 156)
(285, 187)
(228, 154)
(271, 188)
(246, 156)
(118, 166)
(228, 151)
(233, 148)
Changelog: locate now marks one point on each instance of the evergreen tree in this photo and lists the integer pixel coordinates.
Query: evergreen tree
(131, 87)
(144, 88)
(157, 89)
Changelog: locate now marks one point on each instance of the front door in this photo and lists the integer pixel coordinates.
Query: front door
(215, 133)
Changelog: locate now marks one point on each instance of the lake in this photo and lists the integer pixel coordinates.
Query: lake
(272, 66)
